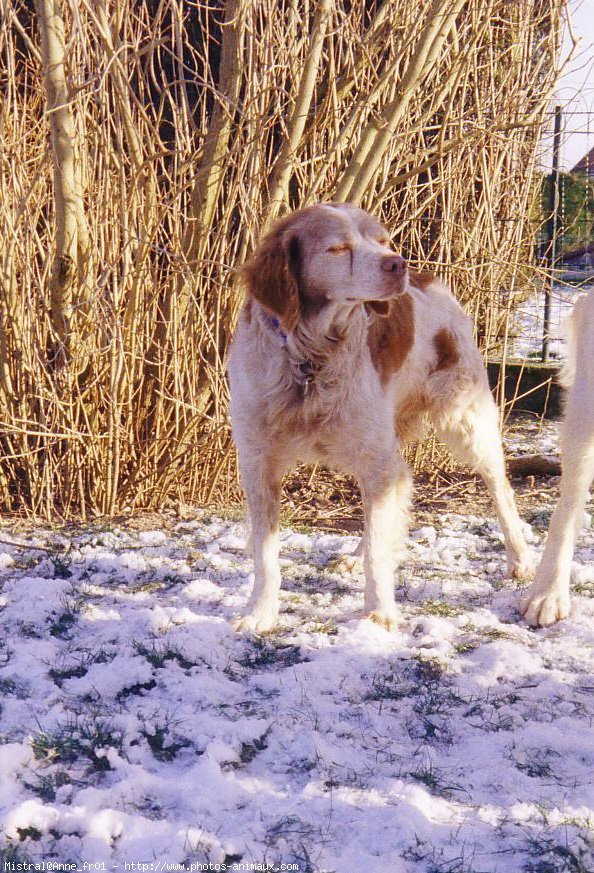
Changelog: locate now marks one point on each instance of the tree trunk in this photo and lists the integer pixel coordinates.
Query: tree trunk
(376, 137)
(284, 166)
(212, 168)
(68, 266)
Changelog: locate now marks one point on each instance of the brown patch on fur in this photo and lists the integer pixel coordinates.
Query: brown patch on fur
(447, 350)
(391, 338)
(270, 277)
(382, 307)
(247, 310)
(408, 421)
(421, 280)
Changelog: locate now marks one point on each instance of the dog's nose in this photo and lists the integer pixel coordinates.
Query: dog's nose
(394, 264)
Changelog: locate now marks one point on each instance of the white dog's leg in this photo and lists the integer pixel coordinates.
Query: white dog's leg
(470, 429)
(547, 600)
(262, 485)
(386, 496)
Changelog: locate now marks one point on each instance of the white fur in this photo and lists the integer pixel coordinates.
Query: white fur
(347, 418)
(547, 600)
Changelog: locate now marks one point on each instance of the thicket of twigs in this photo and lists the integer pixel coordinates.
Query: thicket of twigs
(145, 144)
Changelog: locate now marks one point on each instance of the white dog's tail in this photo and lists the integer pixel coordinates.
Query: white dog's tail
(578, 328)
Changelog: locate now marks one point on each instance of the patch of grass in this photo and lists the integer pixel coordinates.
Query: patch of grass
(436, 860)
(12, 854)
(157, 654)
(436, 781)
(71, 607)
(466, 646)
(150, 586)
(29, 833)
(161, 739)
(428, 669)
(61, 566)
(223, 513)
(555, 855)
(441, 608)
(59, 675)
(81, 737)
(488, 718)
(137, 688)
(288, 518)
(250, 750)
(292, 839)
(14, 688)
(151, 808)
(584, 589)
(536, 763)
(476, 637)
(47, 784)
(265, 653)
(172, 579)
(323, 627)
(29, 630)
(540, 518)
(389, 685)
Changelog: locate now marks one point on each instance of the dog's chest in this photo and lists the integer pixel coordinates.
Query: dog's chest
(336, 416)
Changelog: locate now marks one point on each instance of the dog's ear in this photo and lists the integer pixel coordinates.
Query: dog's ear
(382, 307)
(271, 276)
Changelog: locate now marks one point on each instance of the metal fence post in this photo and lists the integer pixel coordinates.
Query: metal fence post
(553, 230)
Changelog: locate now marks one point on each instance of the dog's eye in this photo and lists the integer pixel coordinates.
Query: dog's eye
(384, 241)
(339, 249)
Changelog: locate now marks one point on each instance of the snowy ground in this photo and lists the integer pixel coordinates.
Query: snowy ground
(139, 727)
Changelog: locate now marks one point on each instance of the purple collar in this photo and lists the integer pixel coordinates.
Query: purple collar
(306, 368)
(274, 324)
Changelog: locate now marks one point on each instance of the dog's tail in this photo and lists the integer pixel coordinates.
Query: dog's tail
(578, 328)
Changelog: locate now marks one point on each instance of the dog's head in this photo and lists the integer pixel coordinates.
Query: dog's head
(328, 253)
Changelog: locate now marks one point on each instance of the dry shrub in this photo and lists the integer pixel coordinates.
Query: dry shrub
(192, 124)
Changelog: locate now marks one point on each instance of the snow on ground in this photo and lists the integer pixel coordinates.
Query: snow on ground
(138, 726)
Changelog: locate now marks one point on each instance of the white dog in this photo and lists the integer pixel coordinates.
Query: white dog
(547, 600)
(338, 353)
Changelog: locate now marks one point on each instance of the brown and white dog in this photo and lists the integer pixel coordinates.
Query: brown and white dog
(339, 352)
(547, 600)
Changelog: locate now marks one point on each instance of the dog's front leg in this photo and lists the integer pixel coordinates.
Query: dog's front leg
(547, 600)
(262, 483)
(386, 495)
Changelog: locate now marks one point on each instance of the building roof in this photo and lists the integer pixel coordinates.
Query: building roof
(585, 165)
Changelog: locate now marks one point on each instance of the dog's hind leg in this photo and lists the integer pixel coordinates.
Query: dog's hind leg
(262, 482)
(468, 425)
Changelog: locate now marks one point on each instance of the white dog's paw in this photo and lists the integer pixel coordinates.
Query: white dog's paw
(347, 564)
(352, 563)
(542, 607)
(257, 621)
(386, 618)
(522, 568)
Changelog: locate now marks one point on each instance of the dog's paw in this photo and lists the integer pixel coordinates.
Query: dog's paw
(346, 564)
(541, 607)
(522, 568)
(387, 619)
(259, 621)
